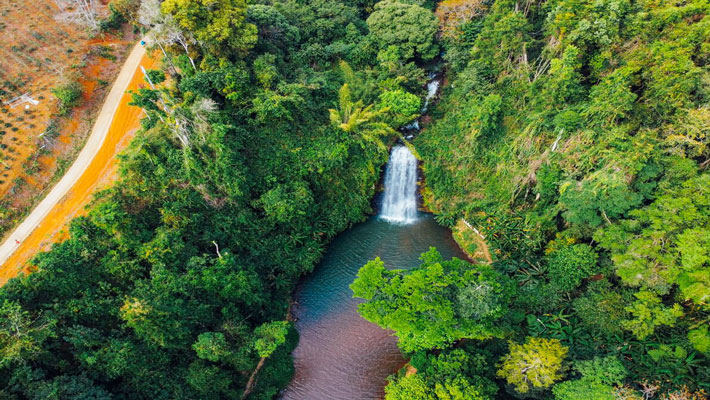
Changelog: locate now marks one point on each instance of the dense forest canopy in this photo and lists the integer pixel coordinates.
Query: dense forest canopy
(569, 146)
(265, 133)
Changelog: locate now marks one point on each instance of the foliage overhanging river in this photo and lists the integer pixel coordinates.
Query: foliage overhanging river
(340, 356)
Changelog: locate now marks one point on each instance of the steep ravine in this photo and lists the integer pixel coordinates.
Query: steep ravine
(340, 355)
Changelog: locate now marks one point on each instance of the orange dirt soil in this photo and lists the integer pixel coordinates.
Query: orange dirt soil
(41, 48)
(37, 51)
(100, 173)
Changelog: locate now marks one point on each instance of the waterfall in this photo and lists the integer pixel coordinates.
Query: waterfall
(431, 88)
(400, 199)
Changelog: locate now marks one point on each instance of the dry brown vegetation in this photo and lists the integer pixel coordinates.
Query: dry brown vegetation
(452, 14)
(40, 48)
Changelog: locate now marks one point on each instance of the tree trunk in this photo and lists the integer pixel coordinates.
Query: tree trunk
(165, 55)
(252, 379)
(187, 52)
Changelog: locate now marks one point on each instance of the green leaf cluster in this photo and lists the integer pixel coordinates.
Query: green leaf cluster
(434, 304)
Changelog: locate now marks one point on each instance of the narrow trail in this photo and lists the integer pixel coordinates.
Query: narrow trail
(483, 252)
(95, 167)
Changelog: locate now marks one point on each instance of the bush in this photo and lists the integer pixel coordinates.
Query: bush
(568, 266)
(608, 370)
(601, 309)
(68, 94)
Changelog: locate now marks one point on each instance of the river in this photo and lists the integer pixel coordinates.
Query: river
(340, 356)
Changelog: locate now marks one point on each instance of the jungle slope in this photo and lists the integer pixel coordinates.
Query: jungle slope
(260, 144)
(574, 136)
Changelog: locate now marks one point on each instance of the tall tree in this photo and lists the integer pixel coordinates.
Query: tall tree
(363, 121)
(409, 27)
(220, 25)
(269, 337)
(537, 363)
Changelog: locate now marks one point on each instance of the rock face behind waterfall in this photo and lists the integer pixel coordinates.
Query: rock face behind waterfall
(399, 204)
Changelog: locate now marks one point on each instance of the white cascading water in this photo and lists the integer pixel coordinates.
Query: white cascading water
(431, 90)
(432, 87)
(400, 199)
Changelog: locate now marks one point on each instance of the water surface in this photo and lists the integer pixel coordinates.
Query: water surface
(340, 356)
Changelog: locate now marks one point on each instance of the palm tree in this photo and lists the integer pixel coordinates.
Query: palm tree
(356, 118)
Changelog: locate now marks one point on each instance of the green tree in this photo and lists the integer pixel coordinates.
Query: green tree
(601, 309)
(598, 376)
(68, 94)
(691, 135)
(563, 85)
(568, 266)
(602, 196)
(666, 243)
(649, 313)
(154, 315)
(538, 363)
(211, 346)
(434, 304)
(220, 25)
(409, 387)
(408, 26)
(583, 390)
(452, 374)
(612, 98)
(21, 334)
(449, 376)
(209, 380)
(265, 70)
(608, 370)
(402, 106)
(275, 31)
(268, 337)
(461, 388)
(700, 339)
(77, 387)
(363, 121)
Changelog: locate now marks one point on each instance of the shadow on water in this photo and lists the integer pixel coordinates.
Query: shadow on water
(340, 356)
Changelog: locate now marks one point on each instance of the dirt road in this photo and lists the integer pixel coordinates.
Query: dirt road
(94, 167)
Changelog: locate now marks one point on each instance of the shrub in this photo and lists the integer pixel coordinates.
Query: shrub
(607, 370)
(568, 266)
(68, 94)
(601, 310)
